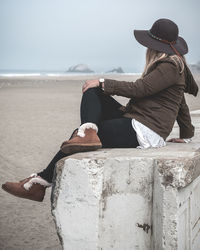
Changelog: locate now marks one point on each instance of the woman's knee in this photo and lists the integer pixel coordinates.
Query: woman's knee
(91, 95)
(91, 91)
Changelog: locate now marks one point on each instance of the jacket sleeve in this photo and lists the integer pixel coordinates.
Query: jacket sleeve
(184, 121)
(162, 77)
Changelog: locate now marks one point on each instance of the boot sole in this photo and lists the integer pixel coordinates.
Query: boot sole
(33, 199)
(76, 148)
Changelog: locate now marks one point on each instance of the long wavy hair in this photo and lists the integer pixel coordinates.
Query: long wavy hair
(153, 56)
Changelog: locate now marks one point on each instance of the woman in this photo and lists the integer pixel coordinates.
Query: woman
(156, 101)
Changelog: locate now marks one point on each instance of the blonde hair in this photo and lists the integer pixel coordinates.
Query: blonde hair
(153, 56)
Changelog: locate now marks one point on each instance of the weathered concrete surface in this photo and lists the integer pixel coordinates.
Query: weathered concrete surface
(112, 199)
(102, 200)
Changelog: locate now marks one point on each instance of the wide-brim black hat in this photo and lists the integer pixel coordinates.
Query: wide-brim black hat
(163, 37)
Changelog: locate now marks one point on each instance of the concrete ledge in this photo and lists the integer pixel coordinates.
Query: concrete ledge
(129, 198)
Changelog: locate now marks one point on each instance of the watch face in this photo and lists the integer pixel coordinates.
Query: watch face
(101, 80)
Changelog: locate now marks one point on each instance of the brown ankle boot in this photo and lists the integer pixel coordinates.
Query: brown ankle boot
(32, 188)
(85, 140)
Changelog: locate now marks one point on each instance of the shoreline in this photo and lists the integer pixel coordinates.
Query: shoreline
(83, 76)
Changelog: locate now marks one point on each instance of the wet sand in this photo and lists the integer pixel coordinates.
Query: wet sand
(37, 115)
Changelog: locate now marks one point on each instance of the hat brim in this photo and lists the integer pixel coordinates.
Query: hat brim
(146, 40)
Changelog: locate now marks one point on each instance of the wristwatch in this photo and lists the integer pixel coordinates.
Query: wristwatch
(101, 81)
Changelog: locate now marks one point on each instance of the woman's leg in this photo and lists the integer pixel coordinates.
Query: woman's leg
(47, 173)
(97, 106)
(117, 133)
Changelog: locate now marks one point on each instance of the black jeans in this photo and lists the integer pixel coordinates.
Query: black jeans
(114, 130)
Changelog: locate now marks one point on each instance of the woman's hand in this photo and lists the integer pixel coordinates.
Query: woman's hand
(90, 84)
(176, 140)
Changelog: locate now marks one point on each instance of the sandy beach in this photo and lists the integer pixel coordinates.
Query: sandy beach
(37, 115)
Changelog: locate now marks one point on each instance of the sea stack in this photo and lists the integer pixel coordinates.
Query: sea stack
(80, 68)
(118, 70)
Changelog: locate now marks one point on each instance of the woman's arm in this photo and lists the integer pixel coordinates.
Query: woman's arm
(184, 121)
(162, 77)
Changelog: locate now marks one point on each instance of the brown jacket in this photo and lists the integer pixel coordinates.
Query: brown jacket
(158, 99)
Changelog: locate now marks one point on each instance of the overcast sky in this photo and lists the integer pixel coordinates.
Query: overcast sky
(55, 34)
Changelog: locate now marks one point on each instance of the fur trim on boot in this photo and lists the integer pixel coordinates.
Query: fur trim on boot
(83, 127)
(36, 179)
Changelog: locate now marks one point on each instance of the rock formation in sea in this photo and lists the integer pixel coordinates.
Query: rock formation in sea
(80, 68)
(116, 70)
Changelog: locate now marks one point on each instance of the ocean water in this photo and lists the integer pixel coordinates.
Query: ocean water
(14, 73)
